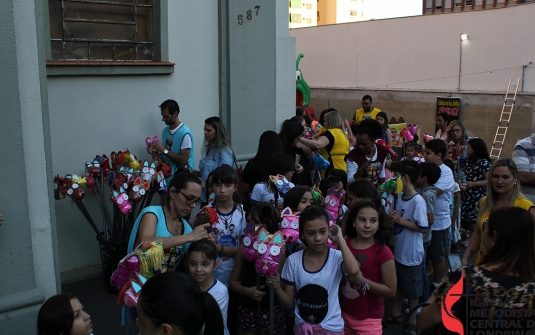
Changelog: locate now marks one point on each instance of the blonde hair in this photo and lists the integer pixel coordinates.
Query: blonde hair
(466, 133)
(488, 205)
(333, 120)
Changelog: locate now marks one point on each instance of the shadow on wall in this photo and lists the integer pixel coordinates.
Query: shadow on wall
(480, 112)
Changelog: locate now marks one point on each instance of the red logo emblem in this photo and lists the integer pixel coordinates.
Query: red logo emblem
(448, 319)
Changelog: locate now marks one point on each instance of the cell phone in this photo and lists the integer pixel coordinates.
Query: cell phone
(455, 262)
(297, 158)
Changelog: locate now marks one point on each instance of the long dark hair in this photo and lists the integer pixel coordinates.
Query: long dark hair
(512, 224)
(290, 131)
(479, 149)
(266, 214)
(56, 315)
(294, 196)
(175, 298)
(269, 144)
(382, 235)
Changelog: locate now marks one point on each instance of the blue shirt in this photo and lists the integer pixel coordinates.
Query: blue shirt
(173, 142)
(211, 161)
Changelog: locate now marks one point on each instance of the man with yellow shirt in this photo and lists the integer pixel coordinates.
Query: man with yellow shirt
(367, 111)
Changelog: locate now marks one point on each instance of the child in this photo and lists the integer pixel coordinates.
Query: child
(340, 174)
(382, 118)
(63, 314)
(298, 199)
(361, 296)
(428, 177)
(203, 263)
(411, 148)
(361, 189)
(435, 152)
(231, 220)
(477, 172)
(455, 209)
(281, 164)
(243, 280)
(313, 276)
(410, 221)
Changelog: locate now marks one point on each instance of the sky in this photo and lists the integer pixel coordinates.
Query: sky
(383, 9)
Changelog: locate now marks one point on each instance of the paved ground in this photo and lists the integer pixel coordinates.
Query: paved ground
(106, 314)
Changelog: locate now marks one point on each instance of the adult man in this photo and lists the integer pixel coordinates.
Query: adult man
(177, 149)
(367, 111)
(524, 158)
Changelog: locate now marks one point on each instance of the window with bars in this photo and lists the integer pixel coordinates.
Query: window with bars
(115, 30)
(352, 13)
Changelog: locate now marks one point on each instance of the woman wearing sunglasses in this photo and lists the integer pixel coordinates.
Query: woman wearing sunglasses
(167, 222)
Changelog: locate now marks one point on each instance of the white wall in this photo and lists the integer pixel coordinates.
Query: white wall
(96, 115)
(422, 53)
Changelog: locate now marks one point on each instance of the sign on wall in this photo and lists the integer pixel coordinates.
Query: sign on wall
(450, 106)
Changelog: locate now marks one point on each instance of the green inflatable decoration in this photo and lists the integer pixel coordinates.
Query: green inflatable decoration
(302, 88)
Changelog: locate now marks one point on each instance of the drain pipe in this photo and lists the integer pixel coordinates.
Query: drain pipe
(523, 70)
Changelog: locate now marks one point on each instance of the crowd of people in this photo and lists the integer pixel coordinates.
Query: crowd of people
(386, 247)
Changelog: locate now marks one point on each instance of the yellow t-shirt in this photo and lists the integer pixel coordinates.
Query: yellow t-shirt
(361, 115)
(520, 202)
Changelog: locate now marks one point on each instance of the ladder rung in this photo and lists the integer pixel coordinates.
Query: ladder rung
(501, 142)
(509, 105)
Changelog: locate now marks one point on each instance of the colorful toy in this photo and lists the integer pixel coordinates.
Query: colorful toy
(332, 222)
(159, 183)
(138, 190)
(149, 141)
(317, 197)
(319, 162)
(121, 200)
(412, 128)
(250, 241)
(289, 225)
(71, 188)
(130, 293)
(92, 168)
(269, 252)
(147, 172)
(302, 97)
(392, 152)
(58, 183)
(427, 137)
(392, 185)
(333, 201)
(278, 184)
(406, 134)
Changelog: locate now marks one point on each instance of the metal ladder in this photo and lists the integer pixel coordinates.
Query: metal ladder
(505, 117)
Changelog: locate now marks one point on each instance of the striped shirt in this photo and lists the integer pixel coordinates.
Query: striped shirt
(524, 158)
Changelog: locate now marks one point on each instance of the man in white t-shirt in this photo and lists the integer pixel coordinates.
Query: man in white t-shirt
(435, 152)
(177, 149)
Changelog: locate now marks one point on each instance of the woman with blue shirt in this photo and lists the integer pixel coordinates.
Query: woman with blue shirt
(217, 151)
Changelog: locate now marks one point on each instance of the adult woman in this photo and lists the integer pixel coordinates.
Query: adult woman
(457, 138)
(333, 143)
(367, 160)
(502, 191)
(290, 134)
(217, 150)
(167, 222)
(442, 121)
(269, 144)
(63, 314)
(173, 304)
(501, 288)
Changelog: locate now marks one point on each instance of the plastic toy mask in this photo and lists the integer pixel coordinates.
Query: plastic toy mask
(250, 241)
(149, 141)
(121, 200)
(130, 293)
(159, 180)
(290, 225)
(58, 183)
(270, 248)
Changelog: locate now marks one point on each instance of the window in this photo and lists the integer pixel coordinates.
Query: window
(297, 18)
(309, 20)
(352, 13)
(295, 4)
(117, 30)
(361, 14)
(309, 6)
